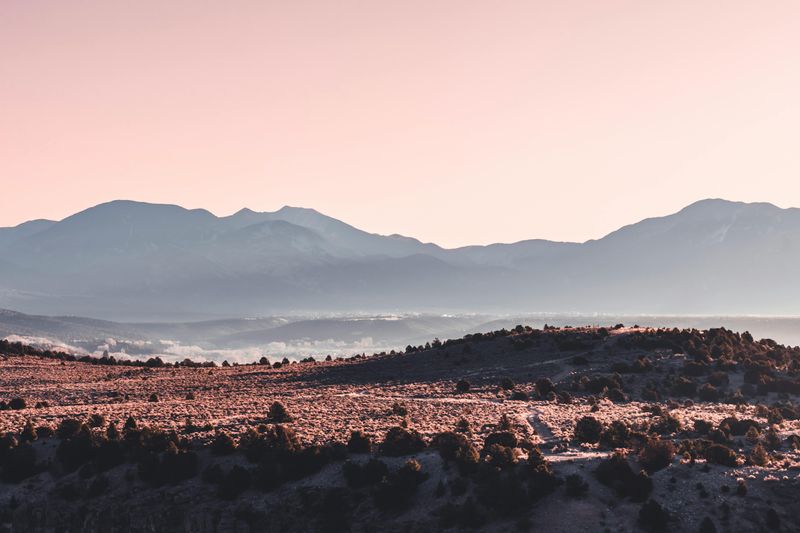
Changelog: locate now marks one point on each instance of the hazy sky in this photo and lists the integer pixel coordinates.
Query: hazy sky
(451, 121)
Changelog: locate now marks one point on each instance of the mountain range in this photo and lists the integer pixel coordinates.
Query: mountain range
(128, 260)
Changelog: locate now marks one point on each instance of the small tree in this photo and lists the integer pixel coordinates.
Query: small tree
(359, 443)
(278, 414)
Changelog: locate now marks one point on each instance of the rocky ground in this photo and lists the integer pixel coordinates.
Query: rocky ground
(574, 429)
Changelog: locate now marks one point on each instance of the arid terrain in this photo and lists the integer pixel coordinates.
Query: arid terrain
(560, 429)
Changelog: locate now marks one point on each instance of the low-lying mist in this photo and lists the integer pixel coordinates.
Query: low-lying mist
(296, 338)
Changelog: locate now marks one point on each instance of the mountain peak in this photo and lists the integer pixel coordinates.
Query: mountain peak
(720, 204)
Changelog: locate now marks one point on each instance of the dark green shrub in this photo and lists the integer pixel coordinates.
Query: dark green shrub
(400, 441)
(397, 491)
(721, 455)
(588, 430)
(616, 472)
(277, 413)
(16, 404)
(399, 409)
(223, 444)
(68, 427)
(544, 386)
(359, 442)
(657, 454)
(501, 438)
(448, 443)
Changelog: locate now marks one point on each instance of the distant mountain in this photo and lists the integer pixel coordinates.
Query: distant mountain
(132, 260)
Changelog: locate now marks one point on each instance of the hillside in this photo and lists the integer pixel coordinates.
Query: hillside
(594, 429)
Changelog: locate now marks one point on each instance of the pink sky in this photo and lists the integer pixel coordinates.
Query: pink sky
(452, 121)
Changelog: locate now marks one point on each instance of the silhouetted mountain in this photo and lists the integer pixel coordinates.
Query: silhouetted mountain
(135, 260)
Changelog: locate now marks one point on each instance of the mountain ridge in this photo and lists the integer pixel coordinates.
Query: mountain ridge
(126, 258)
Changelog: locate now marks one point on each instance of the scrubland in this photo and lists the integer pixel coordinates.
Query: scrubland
(560, 429)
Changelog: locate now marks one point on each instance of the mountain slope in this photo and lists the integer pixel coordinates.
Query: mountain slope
(131, 260)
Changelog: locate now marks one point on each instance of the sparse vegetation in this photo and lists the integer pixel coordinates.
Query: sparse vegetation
(492, 472)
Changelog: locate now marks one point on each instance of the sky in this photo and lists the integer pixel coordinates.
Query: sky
(457, 122)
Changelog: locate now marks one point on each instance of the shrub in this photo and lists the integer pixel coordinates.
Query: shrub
(463, 386)
(448, 444)
(396, 491)
(657, 454)
(616, 472)
(666, 424)
(153, 398)
(108, 454)
(78, 449)
(758, 456)
(411, 473)
(68, 428)
(544, 386)
(541, 479)
(520, 396)
(504, 424)
(721, 455)
(502, 491)
(29, 433)
(96, 421)
(359, 442)
(502, 438)
(708, 393)
(588, 430)
(374, 471)
(615, 435)
(737, 427)
(399, 409)
(400, 441)
(703, 427)
(278, 414)
(499, 456)
(772, 440)
(112, 432)
(616, 396)
(16, 404)
(507, 383)
(223, 444)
